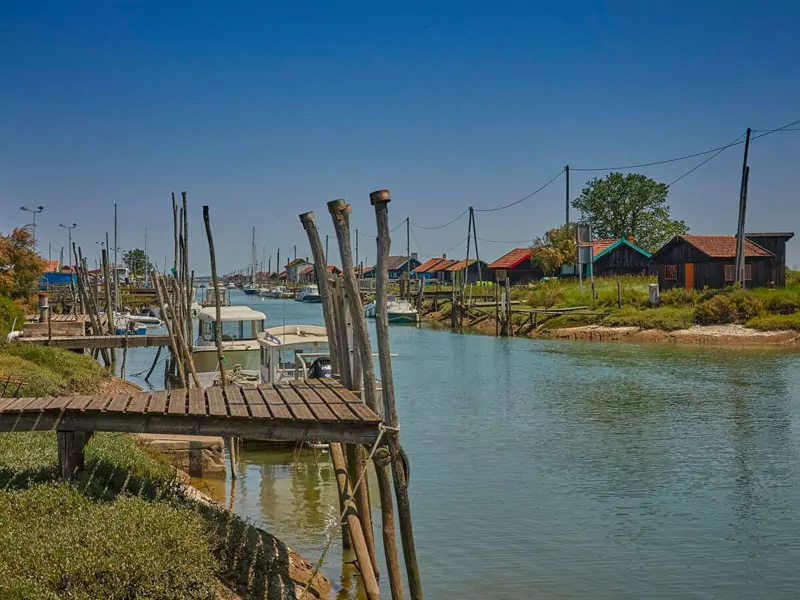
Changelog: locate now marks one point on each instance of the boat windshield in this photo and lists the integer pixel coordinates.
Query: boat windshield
(232, 330)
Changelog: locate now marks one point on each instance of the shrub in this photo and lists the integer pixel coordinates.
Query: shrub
(630, 297)
(50, 371)
(567, 320)
(543, 295)
(679, 296)
(733, 306)
(775, 322)
(665, 318)
(9, 312)
(56, 542)
(781, 303)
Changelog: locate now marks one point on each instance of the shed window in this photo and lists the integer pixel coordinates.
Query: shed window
(730, 275)
(671, 272)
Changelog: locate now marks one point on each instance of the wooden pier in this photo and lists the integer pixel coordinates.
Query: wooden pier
(315, 410)
(90, 342)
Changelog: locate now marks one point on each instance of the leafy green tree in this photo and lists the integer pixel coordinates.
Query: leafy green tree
(20, 265)
(629, 205)
(556, 249)
(134, 260)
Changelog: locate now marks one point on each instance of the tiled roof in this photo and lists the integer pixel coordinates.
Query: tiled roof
(723, 246)
(307, 270)
(334, 269)
(432, 262)
(512, 260)
(50, 265)
(296, 261)
(441, 265)
(393, 263)
(599, 246)
(457, 266)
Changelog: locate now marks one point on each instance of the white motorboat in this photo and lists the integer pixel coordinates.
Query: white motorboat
(147, 318)
(241, 328)
(294, 352)
(309, 293)
(231, 285)
(401, 311)
(210, 297)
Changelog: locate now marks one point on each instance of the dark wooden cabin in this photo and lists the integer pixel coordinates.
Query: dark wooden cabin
(700, 261)
(396, 266)
(474, 270)
(517, 266)
(775, 243)
(619, 257)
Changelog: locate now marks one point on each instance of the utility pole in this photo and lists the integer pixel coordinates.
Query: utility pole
(566, 176)
(295, 252)
(475, 239)
(278, 262)
(326, 248)
(146, 276)
(34, 212)
(408, 258)
(116, 264)
(740, 253)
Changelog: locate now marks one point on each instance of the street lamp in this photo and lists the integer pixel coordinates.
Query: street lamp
(34, 213)
(69, 229)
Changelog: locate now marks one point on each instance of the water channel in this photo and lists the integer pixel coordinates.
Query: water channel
(566, 469)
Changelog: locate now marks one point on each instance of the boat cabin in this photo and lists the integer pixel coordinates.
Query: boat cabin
(294, 352)
(238, 323)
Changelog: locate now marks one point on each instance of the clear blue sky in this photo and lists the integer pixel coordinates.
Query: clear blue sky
(264, 110)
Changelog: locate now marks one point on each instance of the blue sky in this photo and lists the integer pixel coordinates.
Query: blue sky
(265, 110)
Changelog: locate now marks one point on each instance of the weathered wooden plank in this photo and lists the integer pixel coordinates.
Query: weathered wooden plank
(77, 342)
(59, 403)
(304, 390)
(342, 412)
(99, 402)
(255, 403)
(275, 403)
(4, 402)
(361, 410)
(236, 403)
(294, 402)
(79, 403)
(197, 402)
(177, 402)
(311, 394)
(139, 402)
(253, 429)
(119, 402)
(158, 402)
(38, 404)
(19, 404)
(216, 403)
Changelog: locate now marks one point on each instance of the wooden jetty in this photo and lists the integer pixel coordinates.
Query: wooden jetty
(314, 410)
(90, 342)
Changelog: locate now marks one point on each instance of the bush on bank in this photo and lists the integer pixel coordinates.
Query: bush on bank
(50, 371)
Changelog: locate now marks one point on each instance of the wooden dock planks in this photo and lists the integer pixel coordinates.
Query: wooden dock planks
(319, 410)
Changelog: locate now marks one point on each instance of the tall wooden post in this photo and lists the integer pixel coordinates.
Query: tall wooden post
(176, 356)
(340, 210)
(321, 269)
(740, 254)
(566, 177)
(380, 200)
(107, 286)
(217, 305)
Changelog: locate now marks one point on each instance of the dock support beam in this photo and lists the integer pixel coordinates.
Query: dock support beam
(71, 452)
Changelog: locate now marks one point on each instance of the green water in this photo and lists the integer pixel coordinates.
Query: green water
(570, 470)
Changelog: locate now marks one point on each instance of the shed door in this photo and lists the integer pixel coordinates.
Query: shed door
(688, 276)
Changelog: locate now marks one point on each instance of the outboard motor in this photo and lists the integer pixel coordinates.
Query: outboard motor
(321, 368)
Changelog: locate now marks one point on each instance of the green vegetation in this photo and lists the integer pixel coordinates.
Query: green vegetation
(734, 306)
(10, 313)
(775, 322)
(50, 371)
(566, 293)
(665, 318)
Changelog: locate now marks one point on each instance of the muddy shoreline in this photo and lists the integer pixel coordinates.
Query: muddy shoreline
(730, 336)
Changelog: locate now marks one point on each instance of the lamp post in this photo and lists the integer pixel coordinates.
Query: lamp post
(34, 213)
(69, 229)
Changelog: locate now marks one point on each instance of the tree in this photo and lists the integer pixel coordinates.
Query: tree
(20, 266)
(134, 260)
(629, 205)
(556, 249)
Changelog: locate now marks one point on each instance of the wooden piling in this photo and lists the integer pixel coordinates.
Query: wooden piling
(71, 446)
(380, 200)
(354, 524)
(321, 269)
(184, 347)
(107, 286)
(176, 357)
(619, 294)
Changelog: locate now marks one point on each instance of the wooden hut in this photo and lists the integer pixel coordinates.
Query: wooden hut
(775, 243)
(428, 271)
(619, 257)
(473, 269)
(699, 261)
(517, 266)
(396, 265)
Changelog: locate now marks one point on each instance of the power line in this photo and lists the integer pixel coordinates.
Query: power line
(464, 241)
(440, 226)
(506, 241)
(710, 158)
(521, 199)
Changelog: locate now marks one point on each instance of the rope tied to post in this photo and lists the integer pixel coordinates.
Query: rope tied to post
(382, 429)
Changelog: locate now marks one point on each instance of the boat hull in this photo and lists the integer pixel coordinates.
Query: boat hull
(402, 318)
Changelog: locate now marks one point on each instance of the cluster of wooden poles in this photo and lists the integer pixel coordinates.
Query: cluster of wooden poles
(351, 358)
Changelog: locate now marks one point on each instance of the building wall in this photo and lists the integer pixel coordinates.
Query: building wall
(710, 273)
(776, 245)
(622, 260)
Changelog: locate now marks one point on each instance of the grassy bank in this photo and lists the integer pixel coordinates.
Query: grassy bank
(124, 528)
(760, 308)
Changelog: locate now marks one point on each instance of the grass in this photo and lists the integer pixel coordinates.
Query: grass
(665, 318)
(775, 322)
(50, 371)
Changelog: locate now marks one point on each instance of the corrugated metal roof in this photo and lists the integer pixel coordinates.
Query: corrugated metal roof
(723, 246)
(512, 260)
